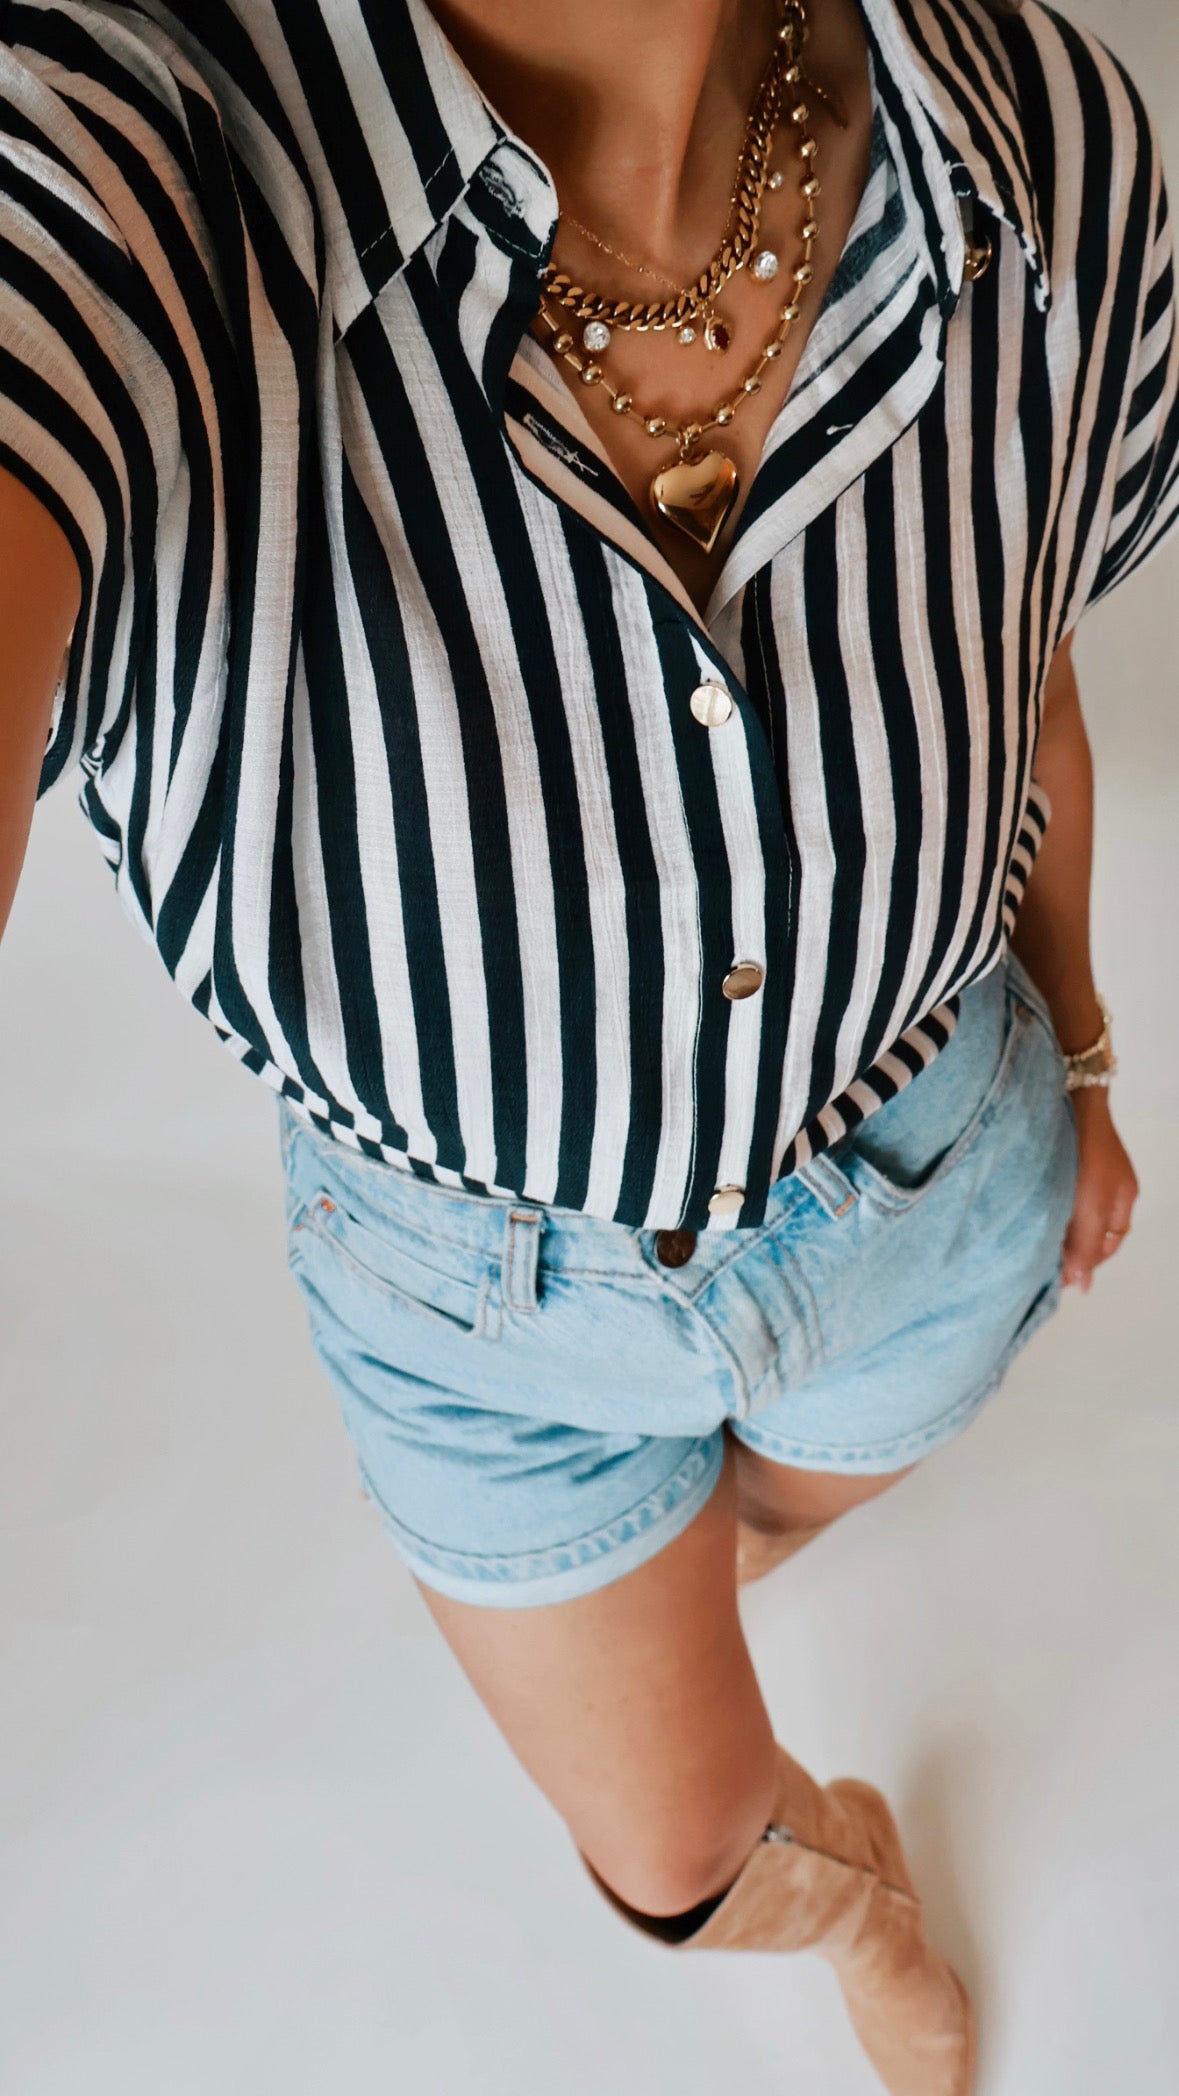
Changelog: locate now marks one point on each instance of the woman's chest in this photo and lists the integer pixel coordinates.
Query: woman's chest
(902, 570)
(888, 631)
(683, 414)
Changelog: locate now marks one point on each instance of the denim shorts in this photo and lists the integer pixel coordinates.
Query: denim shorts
(538, 1403)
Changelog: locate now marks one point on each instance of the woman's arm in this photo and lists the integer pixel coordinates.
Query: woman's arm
(40, 597)
(1051, 938)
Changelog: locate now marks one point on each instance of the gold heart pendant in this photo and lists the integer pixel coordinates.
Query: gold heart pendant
(697, 494)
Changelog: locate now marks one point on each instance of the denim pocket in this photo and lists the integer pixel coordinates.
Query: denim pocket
(889, 1190)
(451, 1291)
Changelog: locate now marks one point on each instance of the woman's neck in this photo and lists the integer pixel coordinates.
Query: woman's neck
(637, 107)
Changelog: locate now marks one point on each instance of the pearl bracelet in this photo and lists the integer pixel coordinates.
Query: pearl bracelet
(1079, 1068)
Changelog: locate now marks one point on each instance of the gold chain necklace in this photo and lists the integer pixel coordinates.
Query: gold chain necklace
(694, 304)
(637, 316)
(697, 493)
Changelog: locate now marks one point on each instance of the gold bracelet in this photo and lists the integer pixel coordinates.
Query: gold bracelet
(1095, 1065)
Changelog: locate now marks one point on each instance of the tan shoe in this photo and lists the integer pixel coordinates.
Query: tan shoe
(829, 1875)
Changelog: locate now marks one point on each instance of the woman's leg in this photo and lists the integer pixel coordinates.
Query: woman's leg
(637, 1711)
(779, 1507)
(778, 1500)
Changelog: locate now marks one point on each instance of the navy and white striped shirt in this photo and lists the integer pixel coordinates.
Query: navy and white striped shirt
(381, 686)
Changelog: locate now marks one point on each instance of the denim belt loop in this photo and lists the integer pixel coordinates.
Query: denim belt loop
(829, 1184)
(521, 1244)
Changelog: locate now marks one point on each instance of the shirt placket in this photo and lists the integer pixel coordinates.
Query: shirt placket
(745, 994)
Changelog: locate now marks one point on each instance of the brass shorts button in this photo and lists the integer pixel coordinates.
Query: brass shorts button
(674, 1247)
(711, 704)
(726, 1200)
(743, 978)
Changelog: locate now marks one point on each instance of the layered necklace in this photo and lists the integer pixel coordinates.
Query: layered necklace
(697, 491)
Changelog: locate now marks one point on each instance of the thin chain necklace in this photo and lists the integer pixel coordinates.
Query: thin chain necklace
(698, 491)
(641, 269)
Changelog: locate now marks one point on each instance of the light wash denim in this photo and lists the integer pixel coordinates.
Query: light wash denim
(539, 1405)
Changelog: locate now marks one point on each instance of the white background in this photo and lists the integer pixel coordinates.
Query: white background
(257, 1834)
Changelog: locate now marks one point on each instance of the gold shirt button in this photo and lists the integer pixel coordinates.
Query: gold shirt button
(711, 704)
(978, 258)
(743, 978)
(726, 1200)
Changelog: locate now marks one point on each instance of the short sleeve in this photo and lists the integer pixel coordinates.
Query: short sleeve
(87, 409)
(1146, 486)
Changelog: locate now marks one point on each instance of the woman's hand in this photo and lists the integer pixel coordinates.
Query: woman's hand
(1107, 1189)
(1051, 937)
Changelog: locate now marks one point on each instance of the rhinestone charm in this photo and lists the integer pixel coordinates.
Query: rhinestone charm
(775, 180)
(596, 336)
(687, 335)
(764, 265)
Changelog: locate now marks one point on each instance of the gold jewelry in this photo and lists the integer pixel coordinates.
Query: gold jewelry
(1095, 1065)
(698, 491)
(689, 294)
(642, 269)
(696, 302)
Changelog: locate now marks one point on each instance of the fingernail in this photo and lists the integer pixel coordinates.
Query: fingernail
(1086, 1282)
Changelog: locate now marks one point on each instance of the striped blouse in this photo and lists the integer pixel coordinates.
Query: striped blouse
(409, 753)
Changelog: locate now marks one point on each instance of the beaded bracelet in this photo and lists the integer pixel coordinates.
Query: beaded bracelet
(1079, 1067)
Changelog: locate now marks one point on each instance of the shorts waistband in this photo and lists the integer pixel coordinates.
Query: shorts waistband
(510, 1227)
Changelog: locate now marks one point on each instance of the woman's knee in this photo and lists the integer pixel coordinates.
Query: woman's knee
(669, 1867)
(637, 1710)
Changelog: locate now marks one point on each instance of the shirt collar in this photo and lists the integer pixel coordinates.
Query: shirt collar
(421, 131)
(954, 65)
(396, 132)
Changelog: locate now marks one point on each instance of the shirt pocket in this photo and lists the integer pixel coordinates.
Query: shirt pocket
(436, 1282)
